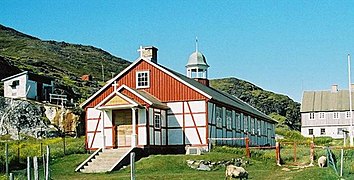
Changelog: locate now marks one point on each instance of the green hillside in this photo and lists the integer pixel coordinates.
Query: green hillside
(279, 107)
(68, 62)
(63, 61)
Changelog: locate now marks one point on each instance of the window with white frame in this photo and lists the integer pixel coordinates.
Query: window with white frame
(142, 79)
(322, 115)
(157, 120)
(323, 131)
(335, 115)
(348, 114)
(310, 131)
(341, 130)
(312, 115)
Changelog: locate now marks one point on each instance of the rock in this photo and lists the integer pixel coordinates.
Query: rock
(203, 167)
(34, 119)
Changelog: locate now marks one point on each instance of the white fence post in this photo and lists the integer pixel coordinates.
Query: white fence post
(35, 167)
(28, 168)
(47, 174)
(132, 166)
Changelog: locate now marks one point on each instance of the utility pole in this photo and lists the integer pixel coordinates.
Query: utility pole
(350, 104)
(102, 69)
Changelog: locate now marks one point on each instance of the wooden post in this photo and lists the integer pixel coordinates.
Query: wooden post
(44, 166)
(248, 153)
(28, 168)
(35, 168)
(294, 151)
(277, 153)
(312, 153)
(7, 159)
(341, 162)
(11, 176)
(132, 166)
(47, 172)
(64, 143)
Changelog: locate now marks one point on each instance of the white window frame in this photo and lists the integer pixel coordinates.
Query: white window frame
(322, 115)
(147, 79)
(157, 120)
(348, 114)
(335, 115)
(312, 115)
(311, 130)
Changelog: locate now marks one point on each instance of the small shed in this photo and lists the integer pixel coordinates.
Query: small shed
(28, 85)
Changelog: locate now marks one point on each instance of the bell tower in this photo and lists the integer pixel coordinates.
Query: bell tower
(197, 67)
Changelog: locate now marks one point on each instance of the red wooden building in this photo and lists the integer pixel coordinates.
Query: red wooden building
(159, 110)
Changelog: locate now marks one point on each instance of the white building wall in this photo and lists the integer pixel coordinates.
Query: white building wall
(142, 134)
(19, 91)
(94, 141)
(328, 122)
(187, 123)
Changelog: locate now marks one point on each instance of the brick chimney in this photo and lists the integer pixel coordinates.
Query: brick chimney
(149, 53)
(203, 81)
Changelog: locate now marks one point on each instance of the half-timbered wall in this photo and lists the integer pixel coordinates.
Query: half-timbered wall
(94, 126)
(157, 133)
(229, 123)
(187, 123)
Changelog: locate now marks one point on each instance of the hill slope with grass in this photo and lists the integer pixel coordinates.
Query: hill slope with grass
(64, 61)
(68, 62)
(277, 106)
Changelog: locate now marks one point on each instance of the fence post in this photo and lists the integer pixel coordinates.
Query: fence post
(341, 162)
(248, 153)
(47, 172)
(35, 168)
(277, 153)
(28, 168)
(312, 153)
(64, 143)
(132, 166)
(44, 166)
(11, 176)
(7, 159)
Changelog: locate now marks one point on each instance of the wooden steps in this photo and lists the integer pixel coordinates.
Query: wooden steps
(103, 160)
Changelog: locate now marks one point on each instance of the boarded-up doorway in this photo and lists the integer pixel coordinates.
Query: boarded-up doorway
(123, 127)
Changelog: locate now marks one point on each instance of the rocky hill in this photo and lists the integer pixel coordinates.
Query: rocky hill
(279, 107)
(63, 61)
(68, 62)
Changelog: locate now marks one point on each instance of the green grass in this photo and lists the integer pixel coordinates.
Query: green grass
(175, 167)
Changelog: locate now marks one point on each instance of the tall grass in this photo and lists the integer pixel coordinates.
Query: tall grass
(30, 147)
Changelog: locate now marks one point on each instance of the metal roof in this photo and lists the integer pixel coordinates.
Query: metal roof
(197, 59)
(316, 101)
(222, 97)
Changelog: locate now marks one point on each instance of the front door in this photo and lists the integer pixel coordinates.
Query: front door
(123, 127)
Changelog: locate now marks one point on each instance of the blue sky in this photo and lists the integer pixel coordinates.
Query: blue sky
(281, 46)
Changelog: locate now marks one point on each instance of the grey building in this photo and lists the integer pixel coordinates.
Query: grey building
(325, 113)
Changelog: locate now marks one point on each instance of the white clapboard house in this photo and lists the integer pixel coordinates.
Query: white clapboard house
(326, 112)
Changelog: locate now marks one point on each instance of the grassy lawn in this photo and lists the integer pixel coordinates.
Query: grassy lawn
(174, 167)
